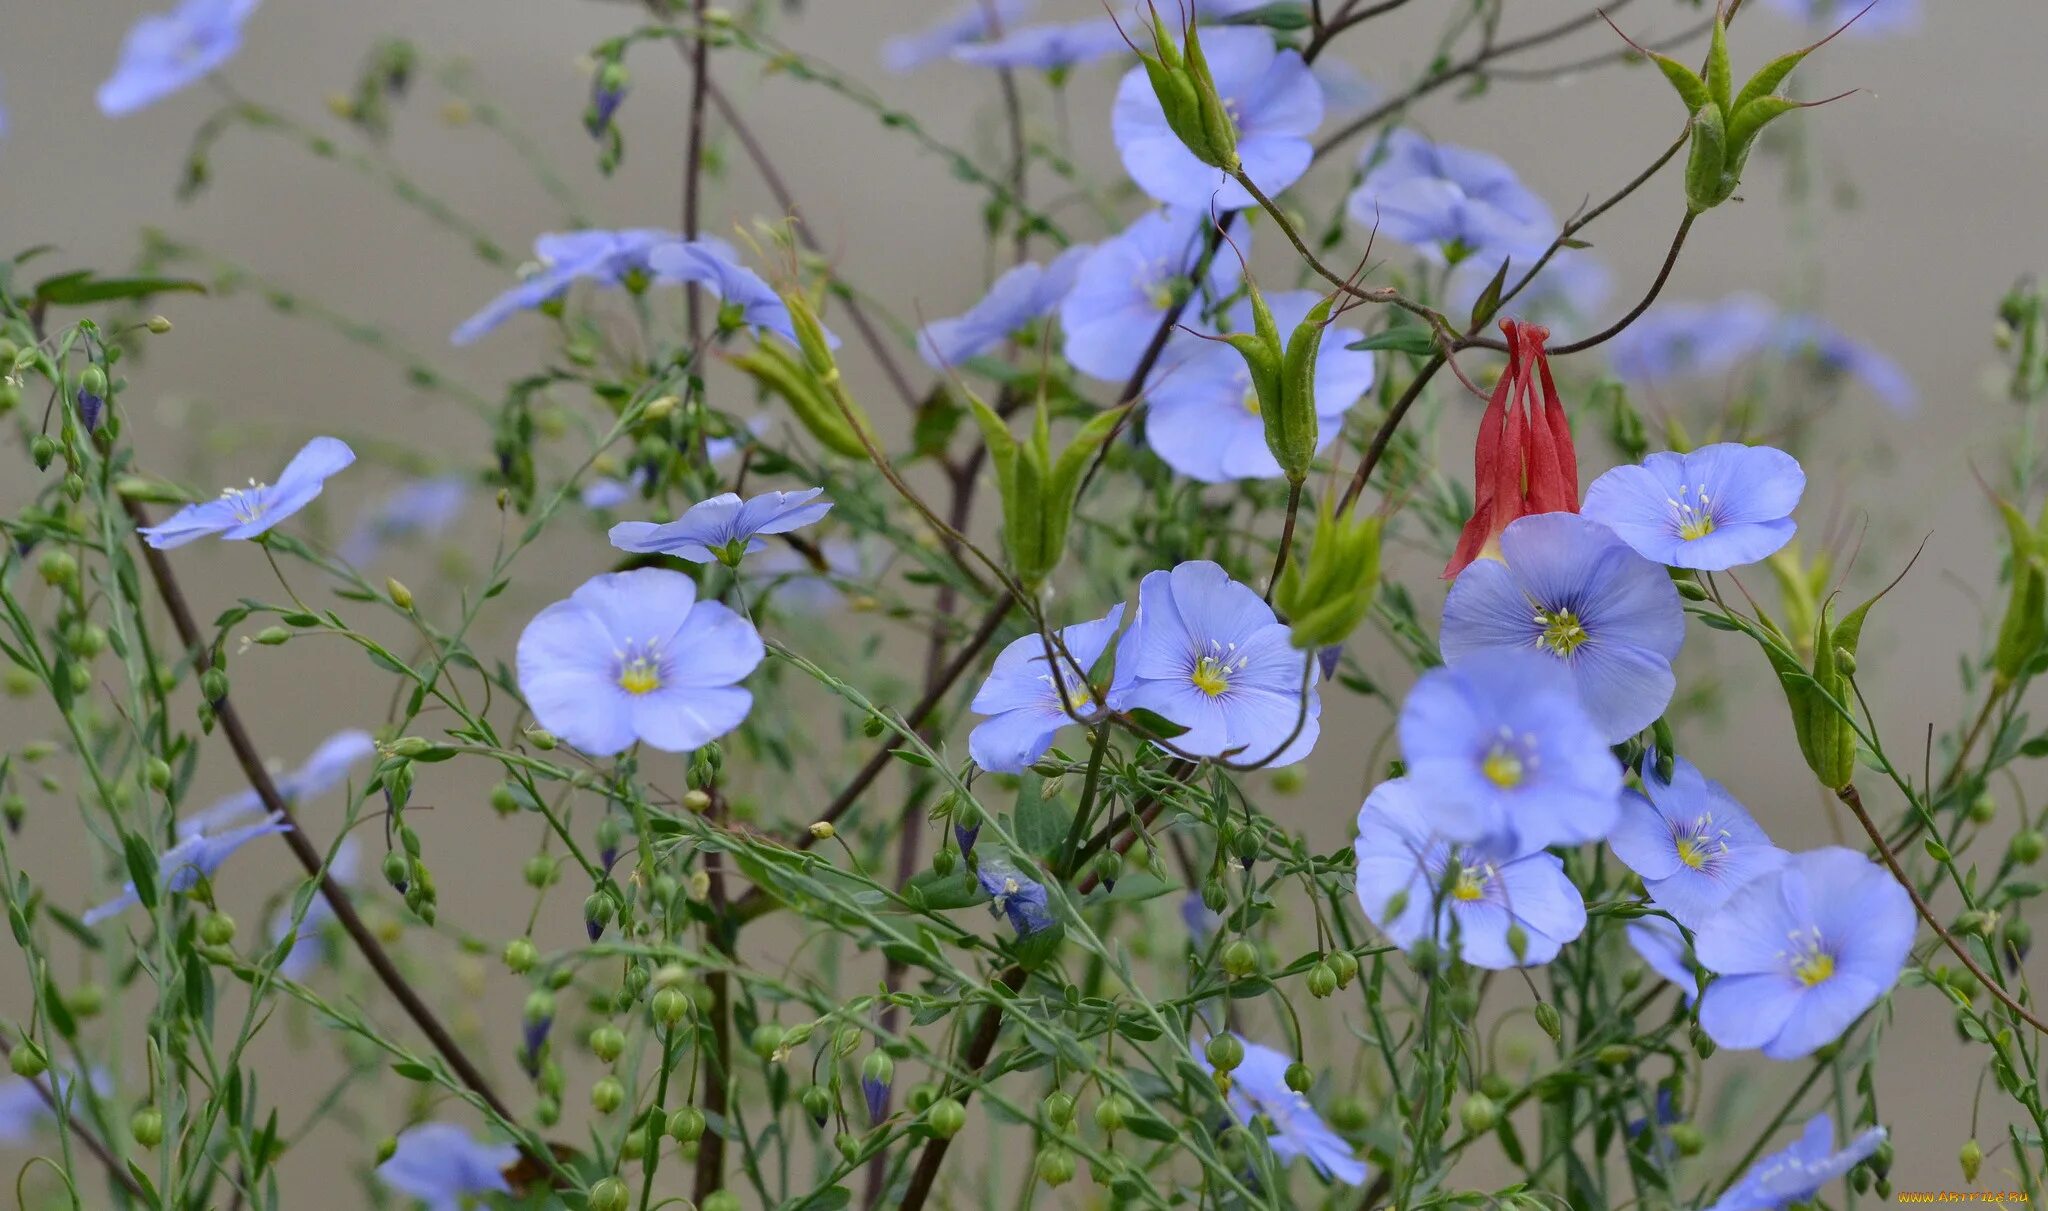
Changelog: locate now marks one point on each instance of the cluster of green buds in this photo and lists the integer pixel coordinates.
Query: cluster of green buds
(1822, 697)
(1725, 122)
(1187, 94)
(1284, 381)
(1326, 595)
(2025, 626)
(1039, 490)
(811, 383)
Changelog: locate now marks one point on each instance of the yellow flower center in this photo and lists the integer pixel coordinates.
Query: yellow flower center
(1562, 631)
(1251, 401)
(1810, 963)
(1471, 884)
(1211, 676)
(1694, 510)
(1691, 852)
(640, 669)
(1502, 767)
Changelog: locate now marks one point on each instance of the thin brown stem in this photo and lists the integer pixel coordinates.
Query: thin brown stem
(693, 161)
(1286, 539)
(1656, 287)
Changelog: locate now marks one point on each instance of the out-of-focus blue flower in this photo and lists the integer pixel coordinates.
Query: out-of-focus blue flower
(1662, 945)
(1718, 507)
(1836, 354)
(1460, 897)
(605, 98)
(194, 857)
(560, 260)
(1567, 587)
(1204, 415)
(1796, 1174)
(1012, 895)
(90, 408)
(1051, 48)
(1130, 281)
(1024, 699)
(715, 265)
(242, 513)
(308, 947)
(1449, 202)
(442, 1166)
(1688, 340)
(723, 528)
(1564, 297)
(1202, 922)
(1023, 294)
(1888, 17)
(1505, 755)
(634, 656)
(611, 493)
(799, 585)
(23, 1108)
(423, 507)
(1691, 842)
(326, 768)
(1346, 91)
(968, 21)
(1258, 1087)
(1802, 952)
(165, 52)
(1207, 654)
(1270, 94)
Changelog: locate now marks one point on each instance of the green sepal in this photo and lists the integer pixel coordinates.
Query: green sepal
(1750, 119)
(1720, 77)
(780, 374)
(1706, 178)
(1691, 89)
(1329, 590)
(1769, 76)
(2025, 625)
(1218, 131)
(1299, 425)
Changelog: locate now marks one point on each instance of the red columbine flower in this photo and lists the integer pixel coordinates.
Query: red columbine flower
(1523, 462)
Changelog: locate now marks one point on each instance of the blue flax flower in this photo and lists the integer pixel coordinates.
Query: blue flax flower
(1662, 945)
(242, 513)
(196, 855)
(1570, 589)
(1051, 48)
(1272, 98)
(1693, 340)
(1012, 895)
(634, 656)
(1448, 202)
(561, 260)
(1129, 283)
(442, 1166)
(1691, 842)
(166, 52)
(1887, 17)
(1023, 699)
(1506, 755)
(1258, 1088)
(723, 528)
(307, 946)
(968, 21)
(327, 768)
(423, 507)
(1797, 1173)
(1204, 415)
(745, 296)
(1718, 507)
(1802, 952)
(1835, 355)
(1460, 897)
(806, 588)
(1025, 293)
(1207, 654)
(23, 1108)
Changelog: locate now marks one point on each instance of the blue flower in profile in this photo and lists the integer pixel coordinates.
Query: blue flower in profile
(1837, 355)
(1129, 283)
(744, 295)
(1718, 507)
(1662, 946)
(604, 258)
(634, 656)
(421, 508)
(441, 1165)
(1566, 587)
(1271, 96)
(1693, 844)
(1802, 952)
(1506, 756)
(1011, 895)
(1023, 294)
(1204, 415)
(1448, 202)
(1414, 884)
(1795, 1175)
(1871, 20)
(1049, 48)
(1693, 340)
(308, 947)
(243, 513)
(723, 528)
(811, 588)
(1258, 1089)
(1024, 699)
(1207, 654)
(326, 768)
(196, 855)
(166, 52)
(968, 21)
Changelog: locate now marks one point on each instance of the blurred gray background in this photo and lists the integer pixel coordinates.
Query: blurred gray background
(1938, 159)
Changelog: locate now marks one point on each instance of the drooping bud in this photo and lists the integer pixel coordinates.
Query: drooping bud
(536, 1021)
(147, 1127)
(1327, 593)
(1225, 1052)
(597, 913)
(1479, 1114)
(1523, 461)
(607, 92)
(946, 1118)
(1055, 1165)
(1972, 1158)
(610, 1194)
(1038, 491)
(1187, 94)
(877, 1076)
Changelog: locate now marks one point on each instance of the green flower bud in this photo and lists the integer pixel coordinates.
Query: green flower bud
(1111, 1112)
(86, 1000)
(217, 929)
(27, 1060)
(57, 568)
(1038, 492)
(1479, 1114)
(1187, 94)
(520, 956)
(767, 1037)
(1688, 1139)
(607, 1043)
(504, 800)
(398, 870)
(1225, 1052)
(946, 1118)
(1614, 1055)
(542, 739)
(799, 385)
(1240, 959)
(1345, 964)
(721, 1200)
(878, 1069)
(817, 1102)
(1348, 1114)
(274, 636)
(849, 1146)
(610, 1194)
(1055, 1166)
(670, 1005)
(214, 685)
(686, 1126)
(607, 1095)
(1972, 1158)
(2026, 846)
(1547, 1018)
(146, 1127)
(1327, 592)
(42, 451)
(1299, 1078)
(539, 871)
(21, 682)
(1820, 696)
(1215, 895)
(1058, 1109)
(1322, 981)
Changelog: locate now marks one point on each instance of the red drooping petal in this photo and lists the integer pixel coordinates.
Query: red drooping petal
(1495, 462)
(1548, 489)
(1560, 430)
